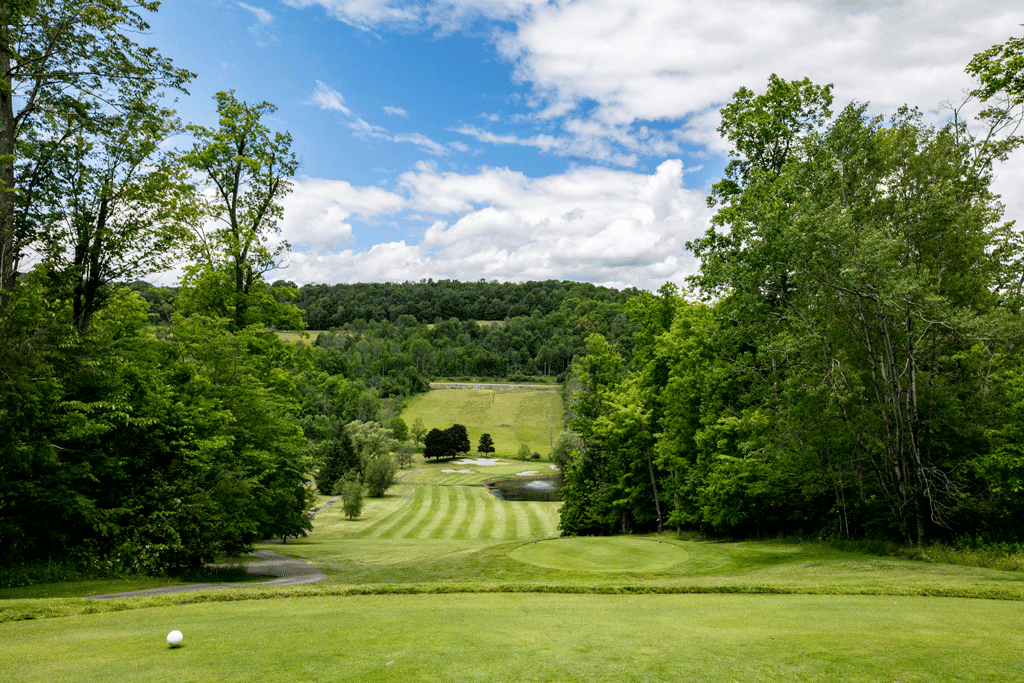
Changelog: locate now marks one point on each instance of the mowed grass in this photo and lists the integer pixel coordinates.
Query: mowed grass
(456, 472)
(511, 417)
(441, 581)
(527, 637)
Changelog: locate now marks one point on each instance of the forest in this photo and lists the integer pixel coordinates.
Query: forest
(847, 362)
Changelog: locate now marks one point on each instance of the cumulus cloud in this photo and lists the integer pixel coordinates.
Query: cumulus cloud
(593, 224)
(318, 212)
(634, 82)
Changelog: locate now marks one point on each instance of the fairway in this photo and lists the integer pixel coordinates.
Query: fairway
(511, 417)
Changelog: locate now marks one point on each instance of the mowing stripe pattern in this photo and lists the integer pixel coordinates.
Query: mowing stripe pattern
(463, 513)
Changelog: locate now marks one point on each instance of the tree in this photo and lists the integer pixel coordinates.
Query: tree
(246, 169)
(436, 444)
(398, 428)
(858, 268)
(352, 498)
(371, 442)
(524, 452)
(486, 444)
(459, 439)
(337, 458)
(59, 60)
(380, 475)
(106, 205)
(447, 443)
(403, 456)
(418, 430)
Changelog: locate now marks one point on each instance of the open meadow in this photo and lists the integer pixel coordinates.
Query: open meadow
(512, 417)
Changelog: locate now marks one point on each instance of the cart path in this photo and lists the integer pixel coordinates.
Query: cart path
(288, 572)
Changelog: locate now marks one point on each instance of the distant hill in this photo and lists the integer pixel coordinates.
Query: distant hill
(428, 301)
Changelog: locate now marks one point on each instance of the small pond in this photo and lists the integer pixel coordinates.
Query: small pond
(545, 488)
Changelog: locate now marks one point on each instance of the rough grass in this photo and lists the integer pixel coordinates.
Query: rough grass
(306, 336)
(511, 417)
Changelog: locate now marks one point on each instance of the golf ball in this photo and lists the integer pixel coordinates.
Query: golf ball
(174, 638)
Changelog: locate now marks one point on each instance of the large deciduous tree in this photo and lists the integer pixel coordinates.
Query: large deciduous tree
(246, 169)
(858, 267)
(104, 204)
(62, 59)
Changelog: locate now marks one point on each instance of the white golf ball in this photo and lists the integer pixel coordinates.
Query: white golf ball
(174, 638)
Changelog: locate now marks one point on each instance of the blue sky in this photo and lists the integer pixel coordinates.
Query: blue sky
(526, 139)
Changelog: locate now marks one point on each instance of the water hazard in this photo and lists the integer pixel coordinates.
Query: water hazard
(545, 488)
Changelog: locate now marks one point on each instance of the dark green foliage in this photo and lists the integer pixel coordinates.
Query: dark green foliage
(145, 454)
(330, 306)
(447, 443)
(398, 428)
(337, 458)
(859, 373)
(486, 444)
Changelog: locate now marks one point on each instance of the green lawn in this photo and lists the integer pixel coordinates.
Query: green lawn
(511, 417)
(517, 637)
(441, 581)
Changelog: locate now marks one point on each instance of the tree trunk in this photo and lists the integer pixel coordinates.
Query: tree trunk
(9, 249)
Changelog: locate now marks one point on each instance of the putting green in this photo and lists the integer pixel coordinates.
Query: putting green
(601, 554)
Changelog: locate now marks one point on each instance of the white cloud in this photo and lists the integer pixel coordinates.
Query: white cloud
(627, 81)
(263, 16)
(258, 30)
(604, 70)
(395, 111)
(592, 224)
(318, 212)
(327, 97)
(446, 15)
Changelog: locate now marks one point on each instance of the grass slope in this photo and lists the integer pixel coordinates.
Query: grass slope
(510, 417)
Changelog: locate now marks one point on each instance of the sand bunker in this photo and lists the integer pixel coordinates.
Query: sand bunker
(482, 462)
(459, 471)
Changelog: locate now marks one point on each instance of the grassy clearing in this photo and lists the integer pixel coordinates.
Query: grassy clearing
(306, 336)
(510, 417)
(522, 637)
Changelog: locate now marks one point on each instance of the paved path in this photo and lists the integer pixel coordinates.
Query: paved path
(285, 571)
(288, 572)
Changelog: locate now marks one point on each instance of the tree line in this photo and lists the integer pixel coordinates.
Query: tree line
(122, 449)
(848, 360)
